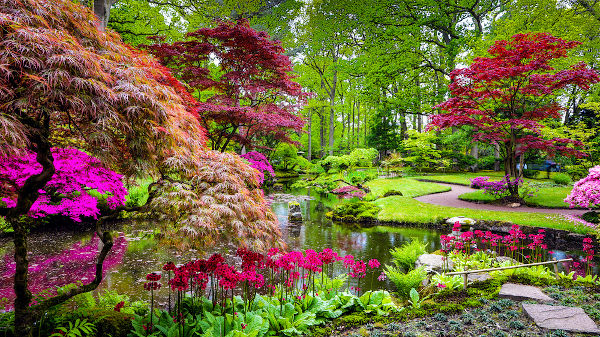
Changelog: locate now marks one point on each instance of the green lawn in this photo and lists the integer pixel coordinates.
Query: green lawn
(409, 210)
(546, 197)
(464, 178)
(409, 187)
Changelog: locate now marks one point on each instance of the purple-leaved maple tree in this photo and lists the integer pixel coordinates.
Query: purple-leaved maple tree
(506, 96)
(242, 81)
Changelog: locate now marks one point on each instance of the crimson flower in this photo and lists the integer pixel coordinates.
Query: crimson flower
(153, 277)
(169, 266)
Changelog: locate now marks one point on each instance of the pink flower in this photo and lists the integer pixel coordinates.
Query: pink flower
(374, 263)
(381, 277)
(441, 285)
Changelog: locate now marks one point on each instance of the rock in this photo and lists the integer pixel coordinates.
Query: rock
(560, 317)
(433, 263)
(294, 212)
(514, 205)
(519, 292)
(502, 259)
(461, 220)
(478, 277)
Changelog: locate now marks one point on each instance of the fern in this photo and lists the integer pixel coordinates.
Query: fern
(406, 281)
(78, 328)
(404, 257)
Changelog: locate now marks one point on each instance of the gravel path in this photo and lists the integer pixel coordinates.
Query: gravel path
(450, 199)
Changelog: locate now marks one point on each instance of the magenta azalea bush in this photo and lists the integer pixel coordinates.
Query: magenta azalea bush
(499, 188)
(586, 192)
(72, 191)
(258, 161)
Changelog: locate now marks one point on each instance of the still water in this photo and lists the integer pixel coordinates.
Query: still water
(58, 258)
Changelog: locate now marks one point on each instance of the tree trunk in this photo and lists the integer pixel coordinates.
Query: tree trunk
(510, 164)
(332, 113)
(309, 154)
(322, 131)
(497, 157)
(358, 124)
(102, 11)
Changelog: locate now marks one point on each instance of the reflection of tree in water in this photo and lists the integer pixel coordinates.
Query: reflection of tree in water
(352, 241)
(48, 271)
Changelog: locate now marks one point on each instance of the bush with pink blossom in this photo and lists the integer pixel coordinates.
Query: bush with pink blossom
(586, 192)
(259, 162)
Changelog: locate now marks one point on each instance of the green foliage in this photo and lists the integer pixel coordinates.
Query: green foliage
(405, 281)
(421, 151)
(415, 299)
(561, 179)
(363, 157)
(286, 158)
(78, 328)
(592, 216)
(451, 282)
(405, 256)
(360, 177)
(531, 174)
(266, 316)
(355, 211)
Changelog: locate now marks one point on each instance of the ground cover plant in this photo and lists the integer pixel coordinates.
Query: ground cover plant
(269, 294)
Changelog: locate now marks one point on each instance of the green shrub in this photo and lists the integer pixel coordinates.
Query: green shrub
(531, 174)
(404, 282)
(356, 211)
(561, 179)
(593, 217)
(405, 256)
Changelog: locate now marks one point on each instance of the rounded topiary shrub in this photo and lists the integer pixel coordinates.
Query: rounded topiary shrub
(112, 323)
(531, 174)
(561, 179)
(593, 217)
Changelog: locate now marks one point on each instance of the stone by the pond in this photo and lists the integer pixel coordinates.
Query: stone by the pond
(478, 277)
(433, 263)
(514, 205)
(520, 292)
(560, 317)
(294, 212)
(461, 220)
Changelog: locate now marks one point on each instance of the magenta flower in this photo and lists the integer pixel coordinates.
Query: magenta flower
(374, 263)
(381, 277)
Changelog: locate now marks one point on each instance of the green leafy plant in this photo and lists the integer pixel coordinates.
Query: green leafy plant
(415, 299)
(78, 328)
(561, 179)
(405, 256)
(406, 281)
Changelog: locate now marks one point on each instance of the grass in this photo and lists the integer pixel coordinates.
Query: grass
(407, 210)
(464, 178)
(409, 187)
(551, 197)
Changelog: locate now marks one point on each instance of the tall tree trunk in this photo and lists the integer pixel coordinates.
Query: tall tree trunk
(358, 124)
(102, 11)
(309, 155)
(332, 112)
(497, 157)
(353, 125)
(475, 154)
(403, 125)
(419, 116)
(322, 131)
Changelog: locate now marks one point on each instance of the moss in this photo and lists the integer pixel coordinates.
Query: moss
(357, 211)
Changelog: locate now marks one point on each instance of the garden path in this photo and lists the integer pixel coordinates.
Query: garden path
(450, 199)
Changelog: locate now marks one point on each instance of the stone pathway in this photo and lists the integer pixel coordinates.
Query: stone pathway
(570, 319)
(450, 199)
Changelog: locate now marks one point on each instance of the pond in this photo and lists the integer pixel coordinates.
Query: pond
(59, 258)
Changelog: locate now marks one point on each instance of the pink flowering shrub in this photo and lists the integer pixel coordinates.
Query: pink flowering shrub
(258, 161)
(73, 189)
(348, 192)
(586, 192)
(497, 189)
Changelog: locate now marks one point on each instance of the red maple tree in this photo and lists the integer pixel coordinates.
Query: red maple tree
(242, 81)
(507, 96)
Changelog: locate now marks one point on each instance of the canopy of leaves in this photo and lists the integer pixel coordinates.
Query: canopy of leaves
(242, 80)
(507, 95)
